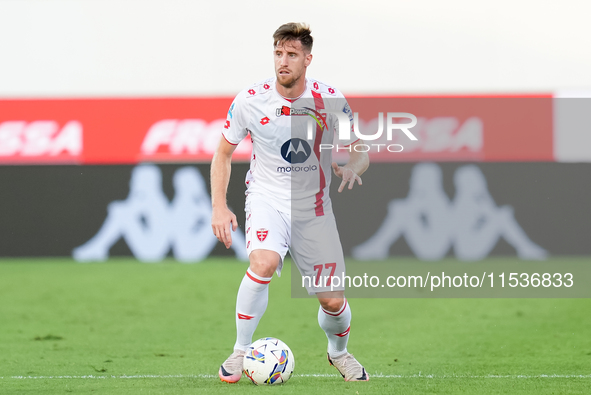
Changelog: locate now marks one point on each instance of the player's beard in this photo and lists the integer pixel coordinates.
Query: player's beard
(288, 83)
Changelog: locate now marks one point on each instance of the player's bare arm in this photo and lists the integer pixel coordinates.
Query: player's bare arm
(222, 217)
(355, 167)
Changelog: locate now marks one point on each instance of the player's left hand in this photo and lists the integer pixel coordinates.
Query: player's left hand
(347, 175)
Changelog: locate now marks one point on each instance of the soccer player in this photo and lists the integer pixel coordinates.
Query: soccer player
(287, 201)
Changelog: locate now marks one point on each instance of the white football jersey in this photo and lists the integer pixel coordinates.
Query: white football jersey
(291, 158)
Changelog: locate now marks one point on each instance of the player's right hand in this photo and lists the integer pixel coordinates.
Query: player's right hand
(221, 219)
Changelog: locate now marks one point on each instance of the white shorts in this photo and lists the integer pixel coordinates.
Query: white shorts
(266, 229)
(313, 243)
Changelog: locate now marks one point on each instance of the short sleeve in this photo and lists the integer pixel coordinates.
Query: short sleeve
(343, 106)
(235, 128)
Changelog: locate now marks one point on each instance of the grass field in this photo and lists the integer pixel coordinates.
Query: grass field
(124, 327)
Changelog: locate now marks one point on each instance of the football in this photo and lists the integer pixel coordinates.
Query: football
(268, 361)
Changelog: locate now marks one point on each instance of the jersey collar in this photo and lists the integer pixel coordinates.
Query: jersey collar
(291, 100)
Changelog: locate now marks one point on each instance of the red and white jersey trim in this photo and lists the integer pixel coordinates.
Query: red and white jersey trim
(229, 142)
(348, 145)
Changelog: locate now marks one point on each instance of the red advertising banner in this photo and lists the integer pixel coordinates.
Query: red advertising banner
(461, 128)
(128, 131)
(112, 131)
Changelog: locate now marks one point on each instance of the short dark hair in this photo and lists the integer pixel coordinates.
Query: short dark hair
(294, 31)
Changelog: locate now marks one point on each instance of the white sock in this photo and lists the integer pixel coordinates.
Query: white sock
(251, 303)
(336, 326)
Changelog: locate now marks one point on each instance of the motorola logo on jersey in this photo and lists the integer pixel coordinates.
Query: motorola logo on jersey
(296, 150)
(296, 169)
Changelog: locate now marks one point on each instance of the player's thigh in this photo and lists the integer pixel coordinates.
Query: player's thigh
(267, 236)
(317, 252)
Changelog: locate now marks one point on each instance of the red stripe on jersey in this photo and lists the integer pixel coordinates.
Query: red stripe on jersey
(256, 280)
(319, 209)
(345, 333)
(228, 140)
(339, 313)
(246, 317)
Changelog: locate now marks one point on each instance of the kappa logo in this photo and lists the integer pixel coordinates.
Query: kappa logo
(262, 234)
(296, 150)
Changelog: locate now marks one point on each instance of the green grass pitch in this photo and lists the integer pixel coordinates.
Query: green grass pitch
(126, 328)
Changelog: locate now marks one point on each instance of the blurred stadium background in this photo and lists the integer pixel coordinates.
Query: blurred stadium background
(110, 112)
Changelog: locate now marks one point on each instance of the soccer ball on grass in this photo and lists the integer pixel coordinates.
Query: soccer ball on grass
(268, 361)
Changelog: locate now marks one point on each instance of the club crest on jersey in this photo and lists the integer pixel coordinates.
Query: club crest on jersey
(262, 234)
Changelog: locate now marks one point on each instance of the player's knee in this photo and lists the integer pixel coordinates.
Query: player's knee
(331, 304)
(264, 264)
(262, 268)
